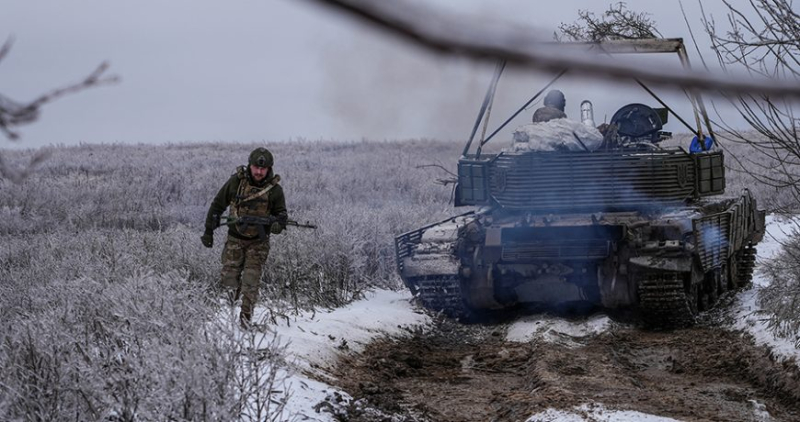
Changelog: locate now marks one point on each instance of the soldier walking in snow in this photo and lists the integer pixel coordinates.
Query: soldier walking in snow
(252, 192)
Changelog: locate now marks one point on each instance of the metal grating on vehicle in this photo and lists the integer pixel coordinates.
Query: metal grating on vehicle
(556, 250)
(711, 173)
(405, 243)
(591, 180)
(404, 246)
(549, 181)
(473, 182)
(716, 235)
(712, 235)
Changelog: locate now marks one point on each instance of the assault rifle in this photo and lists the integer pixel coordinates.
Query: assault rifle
(262, 223)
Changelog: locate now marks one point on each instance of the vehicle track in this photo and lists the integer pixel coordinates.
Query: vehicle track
(456, 372)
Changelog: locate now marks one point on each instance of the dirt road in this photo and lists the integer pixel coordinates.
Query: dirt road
(454, 372)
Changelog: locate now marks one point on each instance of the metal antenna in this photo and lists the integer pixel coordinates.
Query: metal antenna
(498, 70)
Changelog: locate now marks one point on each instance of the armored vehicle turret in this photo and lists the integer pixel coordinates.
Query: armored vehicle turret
(569, 215)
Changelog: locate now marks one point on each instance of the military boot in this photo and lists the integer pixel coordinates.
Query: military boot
(245, 320)
(232, 295)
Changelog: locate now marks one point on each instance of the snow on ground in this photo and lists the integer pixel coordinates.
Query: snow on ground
(315, 340)
(598, 413)
(745, 309)
(556, 330)
(595, 413)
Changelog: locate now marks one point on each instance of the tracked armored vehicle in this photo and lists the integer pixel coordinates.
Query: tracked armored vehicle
(624, 224)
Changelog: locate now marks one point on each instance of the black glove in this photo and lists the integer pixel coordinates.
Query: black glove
(208, 239)
(276, 228)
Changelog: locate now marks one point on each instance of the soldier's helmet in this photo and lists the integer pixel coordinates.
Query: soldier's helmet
(555, 99)
(261, 157)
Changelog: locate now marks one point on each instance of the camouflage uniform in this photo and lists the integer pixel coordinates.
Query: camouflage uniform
(245, 252)
(545, 114)
(554, 104)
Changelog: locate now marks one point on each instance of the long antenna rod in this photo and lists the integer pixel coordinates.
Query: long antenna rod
(498, 70)
(697, 103)
(486, 119)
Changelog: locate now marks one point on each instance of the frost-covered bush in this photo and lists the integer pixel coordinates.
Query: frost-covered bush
(129, 348)
(360, 194)
(781, 299)
(108, 302)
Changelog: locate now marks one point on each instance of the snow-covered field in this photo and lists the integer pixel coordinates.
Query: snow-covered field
(316, 340)
(595, 413)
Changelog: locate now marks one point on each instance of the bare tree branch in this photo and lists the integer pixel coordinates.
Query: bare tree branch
(13, 113)
(6, 47)
(439, 166)
(616, 23)
(765, 40)
(442, 33)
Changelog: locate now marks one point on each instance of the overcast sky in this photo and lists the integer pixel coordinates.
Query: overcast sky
(275, 70)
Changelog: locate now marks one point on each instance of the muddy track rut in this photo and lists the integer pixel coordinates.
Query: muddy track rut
(454, 372)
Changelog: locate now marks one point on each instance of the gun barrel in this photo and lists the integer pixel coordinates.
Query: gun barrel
(263, 221)
(305, 225)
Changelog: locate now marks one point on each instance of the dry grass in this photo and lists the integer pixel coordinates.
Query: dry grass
(108, 305)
